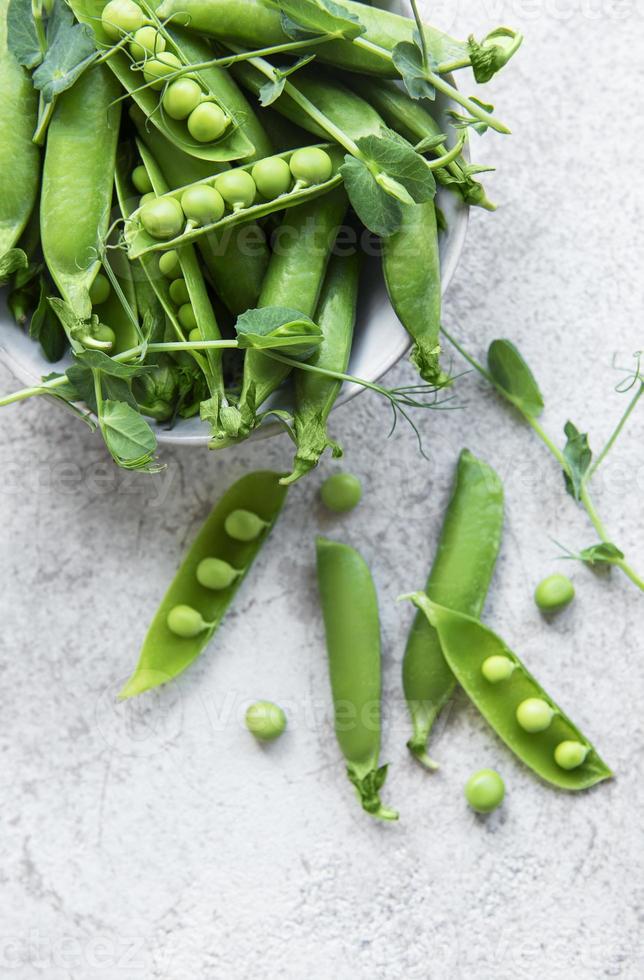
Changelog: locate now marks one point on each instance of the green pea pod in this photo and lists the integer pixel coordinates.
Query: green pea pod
(77, 184)
(141, 243)
(233, 145)
(460, 578)
(164, 654)
(467, 644)
(315, 394)
(19, 157)
(411, 265)
(351, 621)
(294, 280)
(115, 316)
(255, 24)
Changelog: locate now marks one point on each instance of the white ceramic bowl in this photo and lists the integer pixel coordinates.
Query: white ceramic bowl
(380, 340)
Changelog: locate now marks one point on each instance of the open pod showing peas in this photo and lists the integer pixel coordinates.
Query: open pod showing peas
(253, 505)
(500, 686)
(250, 206)
(230, 144)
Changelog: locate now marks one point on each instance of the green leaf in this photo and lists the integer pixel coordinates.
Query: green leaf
(302, 18)
(278, 327)
(408, 59)
(71, 49)
(377, 210)
(96, 359)
(513, 378)
(45, 327)
(11, 262)
(127, 435)
(430, 143)
(578, 456)
(493, 52)
(471, 122)
(400, 162)
(22, 37)
(603, 553)
(271, 91)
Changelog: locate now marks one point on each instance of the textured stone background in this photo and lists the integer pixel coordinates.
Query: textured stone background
(158, 841)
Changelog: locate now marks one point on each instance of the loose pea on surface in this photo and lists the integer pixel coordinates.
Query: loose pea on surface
(341, 492)
(265, 720)
(207, 122)
(243, 525)
(216, 574)
(571, 755)
(169, 265)
(534, 715)
(186, 622)
(163, 218)
(186, 317)
(485, 791)
(181, 97)
(158, 68)
(100, 290)
(311, 165)
(146, 42)
(496, 669)
(272, 176)
(141, 180)
(203, 204)
(121, 17)
(237, 188)
(179, 292)
(554, 593)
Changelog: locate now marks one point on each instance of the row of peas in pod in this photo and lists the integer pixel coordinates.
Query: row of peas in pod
(232, 191)
(183, 96)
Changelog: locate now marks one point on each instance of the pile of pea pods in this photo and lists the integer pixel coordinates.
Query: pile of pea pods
(175, 177)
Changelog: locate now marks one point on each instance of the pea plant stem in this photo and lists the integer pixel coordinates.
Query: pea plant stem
(620, 425)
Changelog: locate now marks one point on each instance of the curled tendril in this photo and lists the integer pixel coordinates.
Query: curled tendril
(633, 377)
(493, 53)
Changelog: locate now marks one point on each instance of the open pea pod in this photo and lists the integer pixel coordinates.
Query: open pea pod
(140, 242)
(232, 145)
(164, 654)
(467, 644)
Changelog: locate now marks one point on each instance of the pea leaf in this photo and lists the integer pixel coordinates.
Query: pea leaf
(70, 50)
(127, 435)
(408, 59)
(96, 359)
(303, 18)
(22, 37)
(464, 122)
(603, 553)
(45, 327)
(278, 327)
(430, 143)
(513, 378)
(271, 91)
(11, 262)
(578, 456)
(399, 161)
(377, 210)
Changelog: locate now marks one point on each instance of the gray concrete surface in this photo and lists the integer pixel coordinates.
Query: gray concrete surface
(157, 841)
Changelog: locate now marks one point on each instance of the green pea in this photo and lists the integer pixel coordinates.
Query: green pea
(571, 755)
(181, 98)
(141, 180)
(215, 573)
(207, 122)
(485, 791)
(101, 334)
(179, 292)
(534, 715)
(243, 525)
(265, 720)
(237, 188)
(341, 492)
(146, 42)
(554, 593)
(186, 317)
(203, 204)
(195, 335)
(496, 669)
(146, 198)
(121, 17)
(186, 622)
(169, 265)
(311, 165)
(100, 290)
(158, 68)
(272, 176)
(162, 218)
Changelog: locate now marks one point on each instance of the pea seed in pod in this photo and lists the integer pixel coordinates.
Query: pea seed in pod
(265, 720)
(186, 622)
(216, 574)
(147, 43)
(181, 98)
(496, 669)
(186, 317)
(273, 177)
(570, 755)
(554, 592)
(195, 335)
(207, 122)
(101, 336)
(243, 525)
(534, 715)
(146, 198)
(121, 17)
(141, 180)
(169, 265)
(237, 188)
(100, 290)
(311, 165)
(485, 791)
(179, 292)
(341, 492)
(203, 204)
(158, 68)
(162, 218)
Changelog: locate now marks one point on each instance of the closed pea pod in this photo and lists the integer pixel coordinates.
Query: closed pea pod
(460, 578)
(350, 610)
(165, 653)
(541, 738)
